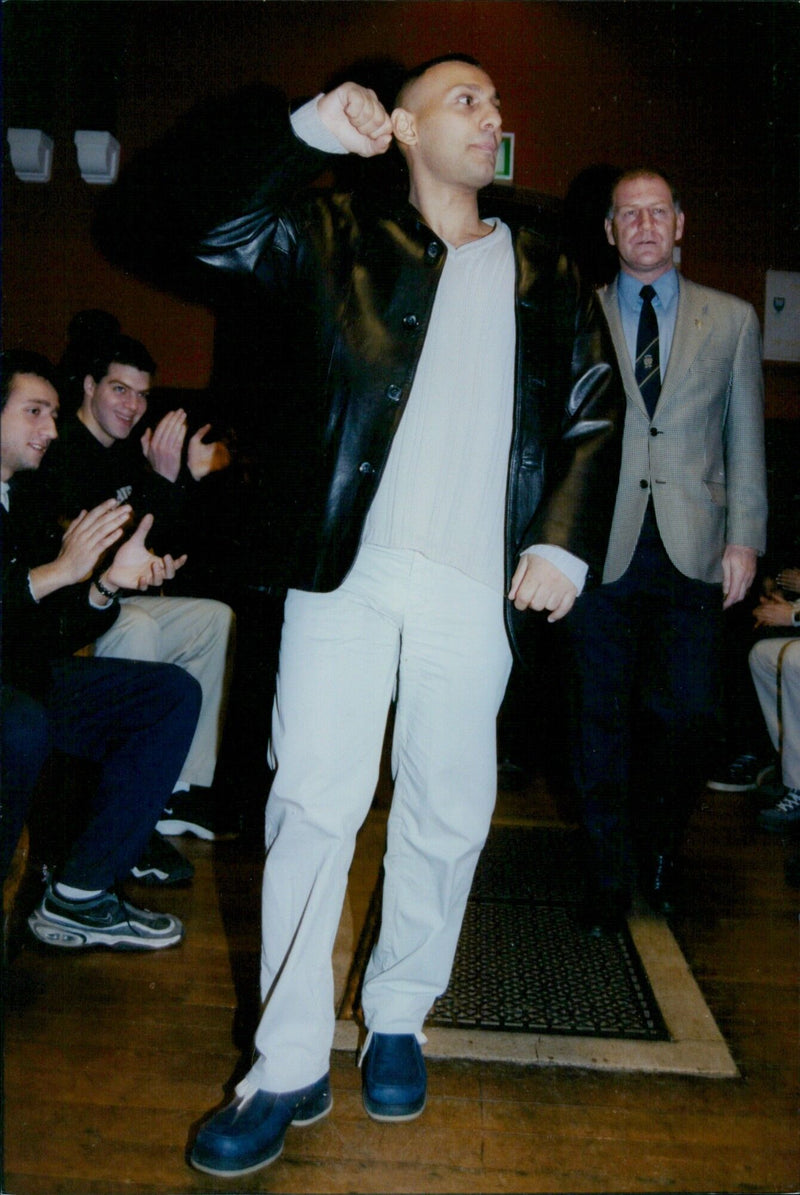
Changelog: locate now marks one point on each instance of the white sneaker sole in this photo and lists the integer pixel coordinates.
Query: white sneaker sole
(723, 786)
(174, 827)
(70, 937)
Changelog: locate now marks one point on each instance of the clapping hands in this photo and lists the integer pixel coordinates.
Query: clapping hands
(163, 448)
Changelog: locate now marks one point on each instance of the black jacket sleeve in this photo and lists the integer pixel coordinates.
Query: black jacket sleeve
(584, 456)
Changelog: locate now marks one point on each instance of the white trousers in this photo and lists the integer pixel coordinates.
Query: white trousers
(775, 668)
(198, 634)
(397, 619)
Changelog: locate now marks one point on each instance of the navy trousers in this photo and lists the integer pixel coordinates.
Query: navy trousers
(646, 698)
(135, 720)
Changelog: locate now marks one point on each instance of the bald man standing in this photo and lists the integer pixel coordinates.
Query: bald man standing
(461, 475)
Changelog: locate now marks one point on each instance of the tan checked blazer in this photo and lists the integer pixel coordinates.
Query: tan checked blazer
(703, 455)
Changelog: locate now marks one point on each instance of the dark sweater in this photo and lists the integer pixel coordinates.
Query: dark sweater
(78, 473)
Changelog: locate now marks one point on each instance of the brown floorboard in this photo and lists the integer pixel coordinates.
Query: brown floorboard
(111, 1060)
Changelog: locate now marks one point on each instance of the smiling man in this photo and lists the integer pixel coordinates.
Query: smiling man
(454, 483)
(100, 455)
(133, 720)
(689, 524)
(113, 405)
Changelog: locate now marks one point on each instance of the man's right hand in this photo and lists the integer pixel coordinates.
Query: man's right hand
(357, 118)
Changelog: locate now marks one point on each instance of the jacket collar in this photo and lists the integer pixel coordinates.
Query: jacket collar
(693, 325)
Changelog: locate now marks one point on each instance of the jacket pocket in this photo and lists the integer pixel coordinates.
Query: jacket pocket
(717, 492)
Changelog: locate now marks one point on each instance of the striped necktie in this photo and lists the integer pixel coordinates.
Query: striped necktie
(648, 366)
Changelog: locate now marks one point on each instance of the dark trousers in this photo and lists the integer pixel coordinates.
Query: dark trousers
(134, 720)
(645, 704)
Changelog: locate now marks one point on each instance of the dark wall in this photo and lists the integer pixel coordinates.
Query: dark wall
(707, 91)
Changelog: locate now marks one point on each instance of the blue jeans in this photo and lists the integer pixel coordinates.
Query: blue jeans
(135, 720)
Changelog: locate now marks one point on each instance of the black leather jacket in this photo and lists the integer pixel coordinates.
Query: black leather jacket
(359, 278)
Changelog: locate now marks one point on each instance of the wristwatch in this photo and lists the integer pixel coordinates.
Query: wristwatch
(111, 594)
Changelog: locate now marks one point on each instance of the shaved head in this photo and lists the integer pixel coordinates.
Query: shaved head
(405, 95)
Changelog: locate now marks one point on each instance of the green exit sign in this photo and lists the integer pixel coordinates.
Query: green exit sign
(504, 169)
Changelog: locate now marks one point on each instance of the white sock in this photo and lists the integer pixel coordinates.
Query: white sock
(68, 893)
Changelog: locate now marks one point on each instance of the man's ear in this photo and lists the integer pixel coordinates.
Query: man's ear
(404, 126)
(609, 227)
(88, 386)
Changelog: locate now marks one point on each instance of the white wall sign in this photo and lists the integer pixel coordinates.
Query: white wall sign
(782, 316)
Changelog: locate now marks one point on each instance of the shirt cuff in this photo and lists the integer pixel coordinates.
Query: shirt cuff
(571, 566)
(307, 125)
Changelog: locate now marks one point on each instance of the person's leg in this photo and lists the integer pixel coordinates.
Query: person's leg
(775, 667)
(26, 745)
(764, 668)
(454, 665)
(744, 743)
(337, 669)
(137, 721)
(679, 722)
(197, 634)
(790, 713)
(602, 638)
(134, 635)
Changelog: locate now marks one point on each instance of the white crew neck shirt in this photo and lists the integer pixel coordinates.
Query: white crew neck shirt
(444, 486)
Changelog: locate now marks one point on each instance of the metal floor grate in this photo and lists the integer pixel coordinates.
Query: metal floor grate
(523, 963)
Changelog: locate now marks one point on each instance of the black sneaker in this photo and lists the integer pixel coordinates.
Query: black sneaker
(740, 776)
(195, 813)
(784, 814)
(104, 920)
(161, 864)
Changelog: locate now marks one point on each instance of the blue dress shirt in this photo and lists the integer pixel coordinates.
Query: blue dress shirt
(665, 305)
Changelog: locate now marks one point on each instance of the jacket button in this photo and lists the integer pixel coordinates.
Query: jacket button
(642, 483)
(410, 321)
(653, 431)
(433, 251)
(366, 467)
(394, 392)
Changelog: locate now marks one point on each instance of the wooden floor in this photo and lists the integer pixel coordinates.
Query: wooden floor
(111, 1060)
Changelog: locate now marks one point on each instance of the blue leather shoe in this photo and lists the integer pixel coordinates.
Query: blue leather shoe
(394, 1082)
(248, 1133)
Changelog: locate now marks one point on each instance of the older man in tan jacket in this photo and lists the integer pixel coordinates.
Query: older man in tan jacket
(689, 523)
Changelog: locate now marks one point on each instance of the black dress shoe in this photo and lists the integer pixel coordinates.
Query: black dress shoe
(660, 887)
(603, 911)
